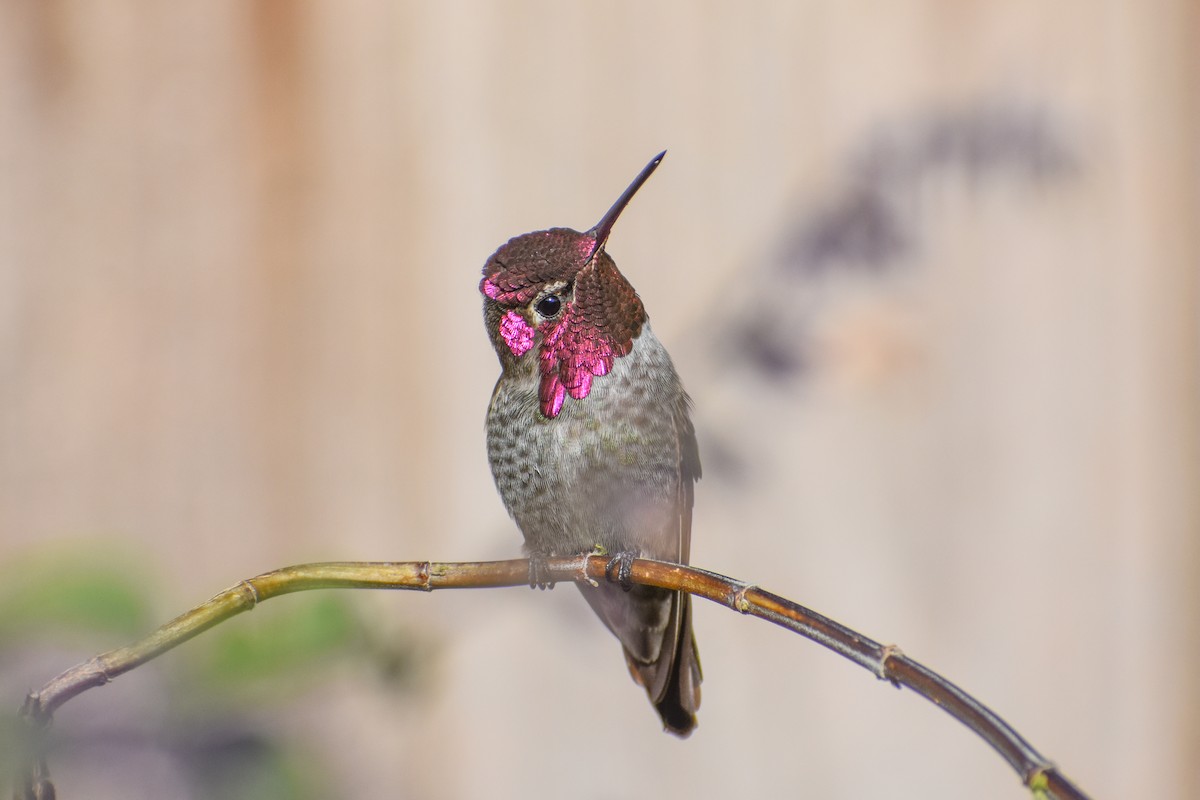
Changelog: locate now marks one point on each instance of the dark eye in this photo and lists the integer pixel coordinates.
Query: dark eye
(548, 306)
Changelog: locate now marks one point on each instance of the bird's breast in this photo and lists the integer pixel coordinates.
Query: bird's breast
(605, 468)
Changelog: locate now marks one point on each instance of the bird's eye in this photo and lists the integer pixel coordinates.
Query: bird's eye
(548, 306)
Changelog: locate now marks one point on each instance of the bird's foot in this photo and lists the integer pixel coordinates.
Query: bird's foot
(622, 564)
(539, 572)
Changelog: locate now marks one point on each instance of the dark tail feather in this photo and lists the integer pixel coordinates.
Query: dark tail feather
(681, 700)
(655, 629)
(676, 698)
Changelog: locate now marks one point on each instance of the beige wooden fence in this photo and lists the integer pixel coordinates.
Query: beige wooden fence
(929, 270)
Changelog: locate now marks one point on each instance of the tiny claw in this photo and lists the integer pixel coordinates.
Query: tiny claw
(539, 570)
(622, 562)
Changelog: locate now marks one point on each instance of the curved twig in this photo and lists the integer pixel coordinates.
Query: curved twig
(886, 662)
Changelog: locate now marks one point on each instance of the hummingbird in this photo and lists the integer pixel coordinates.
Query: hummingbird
(590, 440)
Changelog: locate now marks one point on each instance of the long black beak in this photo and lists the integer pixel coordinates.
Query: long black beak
(605, 225)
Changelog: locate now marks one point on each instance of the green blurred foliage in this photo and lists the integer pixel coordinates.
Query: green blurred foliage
(291, 639)
(83, 590)
(219, 683)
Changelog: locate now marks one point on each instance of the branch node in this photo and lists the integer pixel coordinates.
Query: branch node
(425, 576)
(739, 598)
(883, 670)
(1037, 779)
(581, 568)
(33, 708)
(250, 592)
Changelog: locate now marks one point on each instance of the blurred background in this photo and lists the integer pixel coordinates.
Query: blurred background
(928, 269)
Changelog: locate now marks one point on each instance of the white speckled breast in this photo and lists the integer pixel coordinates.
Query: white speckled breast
(606, 470)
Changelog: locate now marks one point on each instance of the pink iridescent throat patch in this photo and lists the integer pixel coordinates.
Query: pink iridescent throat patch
(572, 354)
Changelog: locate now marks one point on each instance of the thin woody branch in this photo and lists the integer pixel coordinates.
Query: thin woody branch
(885, 661)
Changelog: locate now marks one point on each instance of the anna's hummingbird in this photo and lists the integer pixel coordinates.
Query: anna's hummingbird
(590, 440)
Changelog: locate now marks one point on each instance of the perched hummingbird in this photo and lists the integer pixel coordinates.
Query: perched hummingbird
(590, 440)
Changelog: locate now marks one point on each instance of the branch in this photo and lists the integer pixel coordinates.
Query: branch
(886, 662)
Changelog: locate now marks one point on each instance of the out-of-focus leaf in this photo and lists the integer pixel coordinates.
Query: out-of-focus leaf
(76, 591)
(286, 642)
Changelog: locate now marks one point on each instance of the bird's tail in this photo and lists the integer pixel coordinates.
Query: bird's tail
(673, 682)
(655, 629)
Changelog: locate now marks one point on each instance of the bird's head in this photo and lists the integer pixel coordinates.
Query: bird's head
(556, 298)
